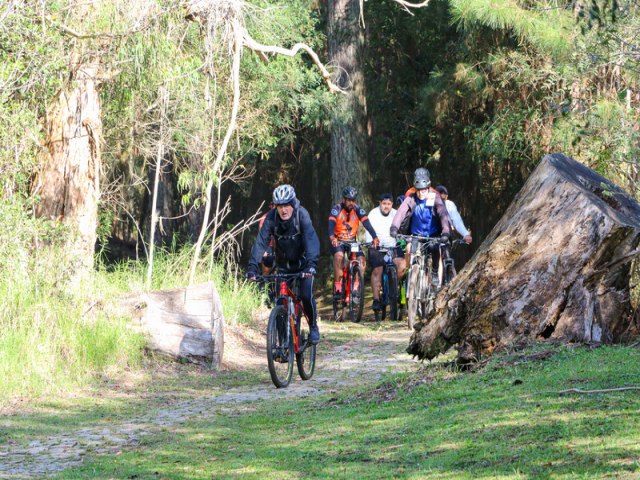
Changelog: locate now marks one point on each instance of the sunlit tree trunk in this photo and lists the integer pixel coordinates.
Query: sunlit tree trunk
(349, 163)
(68, 184)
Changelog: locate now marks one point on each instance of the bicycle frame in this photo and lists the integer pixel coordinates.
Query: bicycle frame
(348, 263)
(288, 298)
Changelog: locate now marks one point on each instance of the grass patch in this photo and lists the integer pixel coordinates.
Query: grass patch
(57, 335)
(503, 421)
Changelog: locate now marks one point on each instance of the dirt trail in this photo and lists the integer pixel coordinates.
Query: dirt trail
(358, 362)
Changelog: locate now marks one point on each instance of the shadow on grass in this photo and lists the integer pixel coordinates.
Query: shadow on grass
(478, 425)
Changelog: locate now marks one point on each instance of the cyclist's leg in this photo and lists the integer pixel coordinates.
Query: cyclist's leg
(434, 250)
(309, 305)
(376, 260)
(338, 259)
(401, 265)
(363, 261)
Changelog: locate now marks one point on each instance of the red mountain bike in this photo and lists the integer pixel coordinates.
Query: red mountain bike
(287, 333)
(352, 285)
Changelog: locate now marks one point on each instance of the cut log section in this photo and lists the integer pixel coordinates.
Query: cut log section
(185, 323)
(557, 265)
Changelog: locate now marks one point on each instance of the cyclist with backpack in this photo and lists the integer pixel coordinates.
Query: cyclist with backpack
(344, 219)
(297, 247)
(381, 218)
(423, 213)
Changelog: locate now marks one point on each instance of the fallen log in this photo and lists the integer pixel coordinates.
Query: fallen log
(185, 323)
(556, 266)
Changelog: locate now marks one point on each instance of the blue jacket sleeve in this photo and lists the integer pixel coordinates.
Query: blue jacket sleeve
(262, 242)
(310, 239)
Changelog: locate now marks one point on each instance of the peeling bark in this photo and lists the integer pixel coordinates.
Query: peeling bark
(69, 182)
(556, 266)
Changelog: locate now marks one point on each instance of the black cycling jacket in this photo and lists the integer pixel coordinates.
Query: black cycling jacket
(297, 246)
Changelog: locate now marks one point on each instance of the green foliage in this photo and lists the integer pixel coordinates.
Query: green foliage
(547, 30)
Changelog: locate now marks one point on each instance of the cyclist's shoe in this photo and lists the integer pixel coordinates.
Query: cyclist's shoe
(337, 296)
(280, 357)
(314, 335)
(376, 305)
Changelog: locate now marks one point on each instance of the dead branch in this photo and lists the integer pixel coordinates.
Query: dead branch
(407, 6)
(260, 49)
(605, 390)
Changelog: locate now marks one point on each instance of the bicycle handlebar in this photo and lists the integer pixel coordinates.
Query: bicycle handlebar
(274, 276)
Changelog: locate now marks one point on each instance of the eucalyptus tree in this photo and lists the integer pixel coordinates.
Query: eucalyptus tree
(346, 43)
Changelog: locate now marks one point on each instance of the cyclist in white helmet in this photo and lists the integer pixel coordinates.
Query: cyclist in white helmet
(297, 247)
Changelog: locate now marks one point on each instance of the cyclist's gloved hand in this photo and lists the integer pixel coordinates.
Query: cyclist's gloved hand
(444, 239)
(308, 272)
(251, 275)
(393, 232)
(376, 243)
(334, 241)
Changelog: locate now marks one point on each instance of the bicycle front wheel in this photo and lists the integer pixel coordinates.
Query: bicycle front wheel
(413, 295)
(392, 292)
(449, 273)
(279, 347)
(356, 299)
(306, 357)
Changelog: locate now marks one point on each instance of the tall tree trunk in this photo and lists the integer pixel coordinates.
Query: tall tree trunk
(349, 163)
(68, 184)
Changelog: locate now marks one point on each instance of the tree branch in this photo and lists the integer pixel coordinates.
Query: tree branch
(261, 50)
(606, 390)
(408, 5)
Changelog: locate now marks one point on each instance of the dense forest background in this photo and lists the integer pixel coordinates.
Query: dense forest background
(476, 91)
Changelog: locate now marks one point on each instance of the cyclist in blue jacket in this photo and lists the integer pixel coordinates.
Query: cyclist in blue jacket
(423, 213)
(297, 247)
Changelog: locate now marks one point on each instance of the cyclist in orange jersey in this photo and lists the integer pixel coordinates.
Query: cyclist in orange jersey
(344, 220)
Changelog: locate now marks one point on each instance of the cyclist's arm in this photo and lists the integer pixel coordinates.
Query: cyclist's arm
(403, 211)
(310, 239)
(262, 242)
(456, 219)
(441, 210)
(335, 211)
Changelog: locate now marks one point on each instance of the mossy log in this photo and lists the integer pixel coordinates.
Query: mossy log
(185, 323)
(556, 266)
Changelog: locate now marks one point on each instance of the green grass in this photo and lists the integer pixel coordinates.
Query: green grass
(504, 421)
(57, 336)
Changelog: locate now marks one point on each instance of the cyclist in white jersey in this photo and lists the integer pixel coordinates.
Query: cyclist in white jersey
(454, 215)
(381, 218)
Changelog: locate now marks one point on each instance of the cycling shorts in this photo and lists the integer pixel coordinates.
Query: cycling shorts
(346, 249)
(376, 257)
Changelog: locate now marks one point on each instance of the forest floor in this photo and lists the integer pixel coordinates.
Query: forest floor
(369, 412)
(125, 411)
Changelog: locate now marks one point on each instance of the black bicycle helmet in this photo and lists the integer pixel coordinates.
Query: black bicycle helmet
(350, 193)
(283, 194)
(442, 190)
(421, 178)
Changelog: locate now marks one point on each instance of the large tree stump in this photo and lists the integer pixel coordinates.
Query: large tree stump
(557, 265)
(185, 323)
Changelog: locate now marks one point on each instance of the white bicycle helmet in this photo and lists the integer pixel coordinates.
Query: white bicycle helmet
(421, 178)
(283, 194)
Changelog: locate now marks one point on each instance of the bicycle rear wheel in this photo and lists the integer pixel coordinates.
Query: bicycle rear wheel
(306, 357)
(279, 347)
(356, 299)
(413, 295)
(392, 292)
